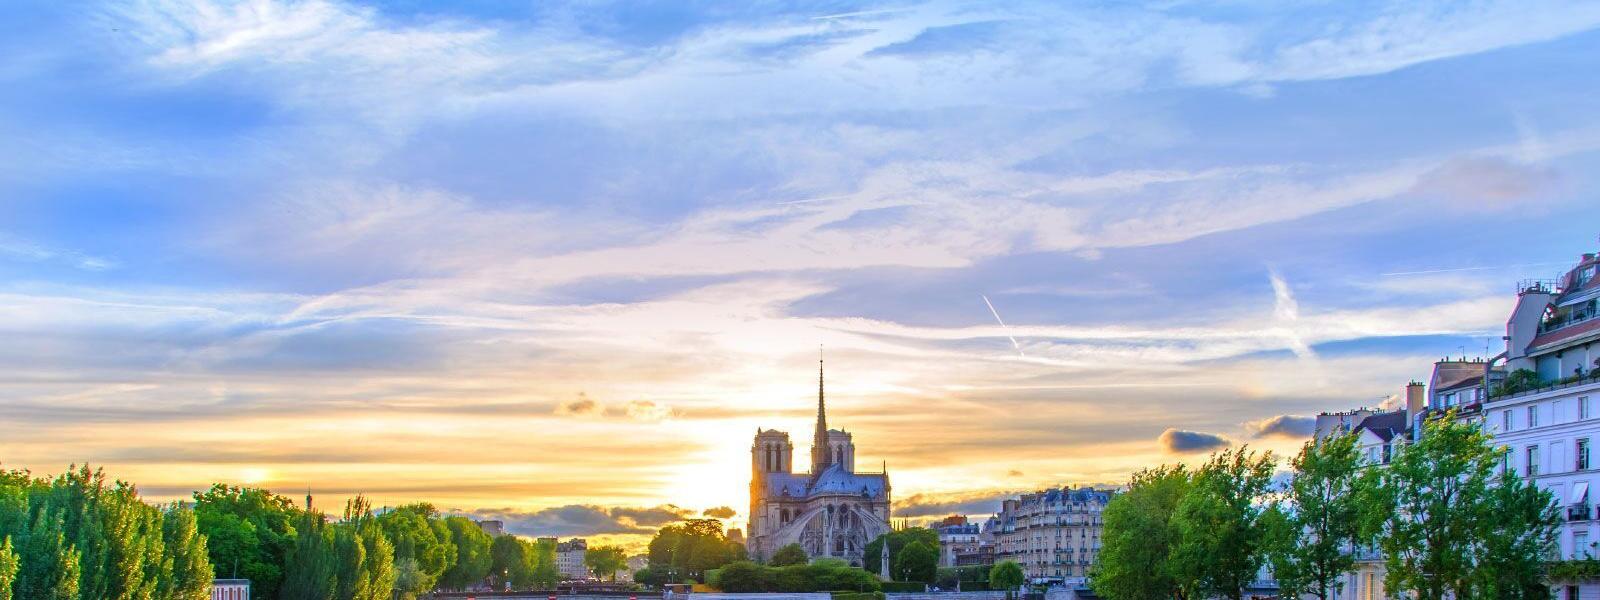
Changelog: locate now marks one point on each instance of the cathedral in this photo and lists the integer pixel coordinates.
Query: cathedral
(831, 511)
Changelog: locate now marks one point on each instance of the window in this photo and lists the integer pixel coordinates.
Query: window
(1580, 545)
(1555, 412)
(1533, 416)
(1505, 421)
(1583, 407)
(1583, 454)
(1532, 461)
(1387, 453)
(1572, 592)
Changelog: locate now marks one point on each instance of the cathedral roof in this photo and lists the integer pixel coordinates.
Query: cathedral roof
(833, 481)
(836, 480)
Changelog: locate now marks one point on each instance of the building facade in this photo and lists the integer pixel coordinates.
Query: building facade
(831, 511)
(1537, 399)
(1550, 430)
(230, 589)
(958, 537)
(1053, 534)
(569, 559)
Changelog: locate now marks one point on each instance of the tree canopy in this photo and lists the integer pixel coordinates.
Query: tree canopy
(791, 554)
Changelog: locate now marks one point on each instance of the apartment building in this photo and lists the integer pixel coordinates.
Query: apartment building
(1053, 534)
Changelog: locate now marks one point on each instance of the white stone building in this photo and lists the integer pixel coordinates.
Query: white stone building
(1053, 534)
(1551, 431)
(569, 559)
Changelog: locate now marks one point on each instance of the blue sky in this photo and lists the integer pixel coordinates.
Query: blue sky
(338, 244)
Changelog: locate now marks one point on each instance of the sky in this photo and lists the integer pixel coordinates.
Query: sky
(555, 263)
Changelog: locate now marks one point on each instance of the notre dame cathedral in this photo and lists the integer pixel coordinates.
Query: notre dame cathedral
(831, 511)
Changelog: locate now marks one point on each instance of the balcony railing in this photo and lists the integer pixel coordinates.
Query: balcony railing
(1580, 512)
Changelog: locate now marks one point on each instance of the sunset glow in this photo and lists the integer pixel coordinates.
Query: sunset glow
(545, 262)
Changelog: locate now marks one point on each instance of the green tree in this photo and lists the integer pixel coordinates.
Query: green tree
(897, 541)
(791, 554)
(1006, 575)
(917, 562)
(545, 573)
(250, 533)
(1310, 554)
(508, 561)
(50, 568)
(9, 565)
(190, 572)
(1429, 498)
(473, 560)
(421, 537)
(1221, 543)
(1139, 536)
(605, 561)
(311, 569)
(687, 551)
(365, 559)
(1519, 526)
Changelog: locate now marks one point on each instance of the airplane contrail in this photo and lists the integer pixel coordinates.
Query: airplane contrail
(860, 13)
(1458, 270)
(1002, 323)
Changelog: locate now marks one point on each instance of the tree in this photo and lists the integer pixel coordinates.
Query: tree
(1006, 575)
(1310, 553)
(8, 568)
(917, 562)
(190, 574)
(1139, 536)
(1447, 528)
(687, 551)
(309, 573)
(1519, 527)
(250, 533)
(1220, 548)
(50, 569)
(419, 536)
(605, 561)
(791, 554)
(509, 561)
(364, 557)
(545, 573)
(897, 541)
(473, 560)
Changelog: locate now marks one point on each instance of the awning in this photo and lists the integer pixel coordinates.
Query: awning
(1580, 492)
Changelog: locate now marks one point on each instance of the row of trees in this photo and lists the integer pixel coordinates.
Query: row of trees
(406, 551)
(1444, 518)
(77, 536)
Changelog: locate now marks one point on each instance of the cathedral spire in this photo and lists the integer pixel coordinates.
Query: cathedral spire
(820, 458)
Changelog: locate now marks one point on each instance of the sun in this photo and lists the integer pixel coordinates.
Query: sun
(254, 475)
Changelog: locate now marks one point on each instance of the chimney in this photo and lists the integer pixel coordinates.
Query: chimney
(1416, 398)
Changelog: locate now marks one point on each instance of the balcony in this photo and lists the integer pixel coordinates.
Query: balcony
(1580, 512)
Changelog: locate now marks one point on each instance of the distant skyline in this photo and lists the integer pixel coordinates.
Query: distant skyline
(554, 263)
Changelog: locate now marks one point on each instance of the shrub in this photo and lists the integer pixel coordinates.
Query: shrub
(741, 577)
(858, 596)
(745, 577)
(904, 586)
